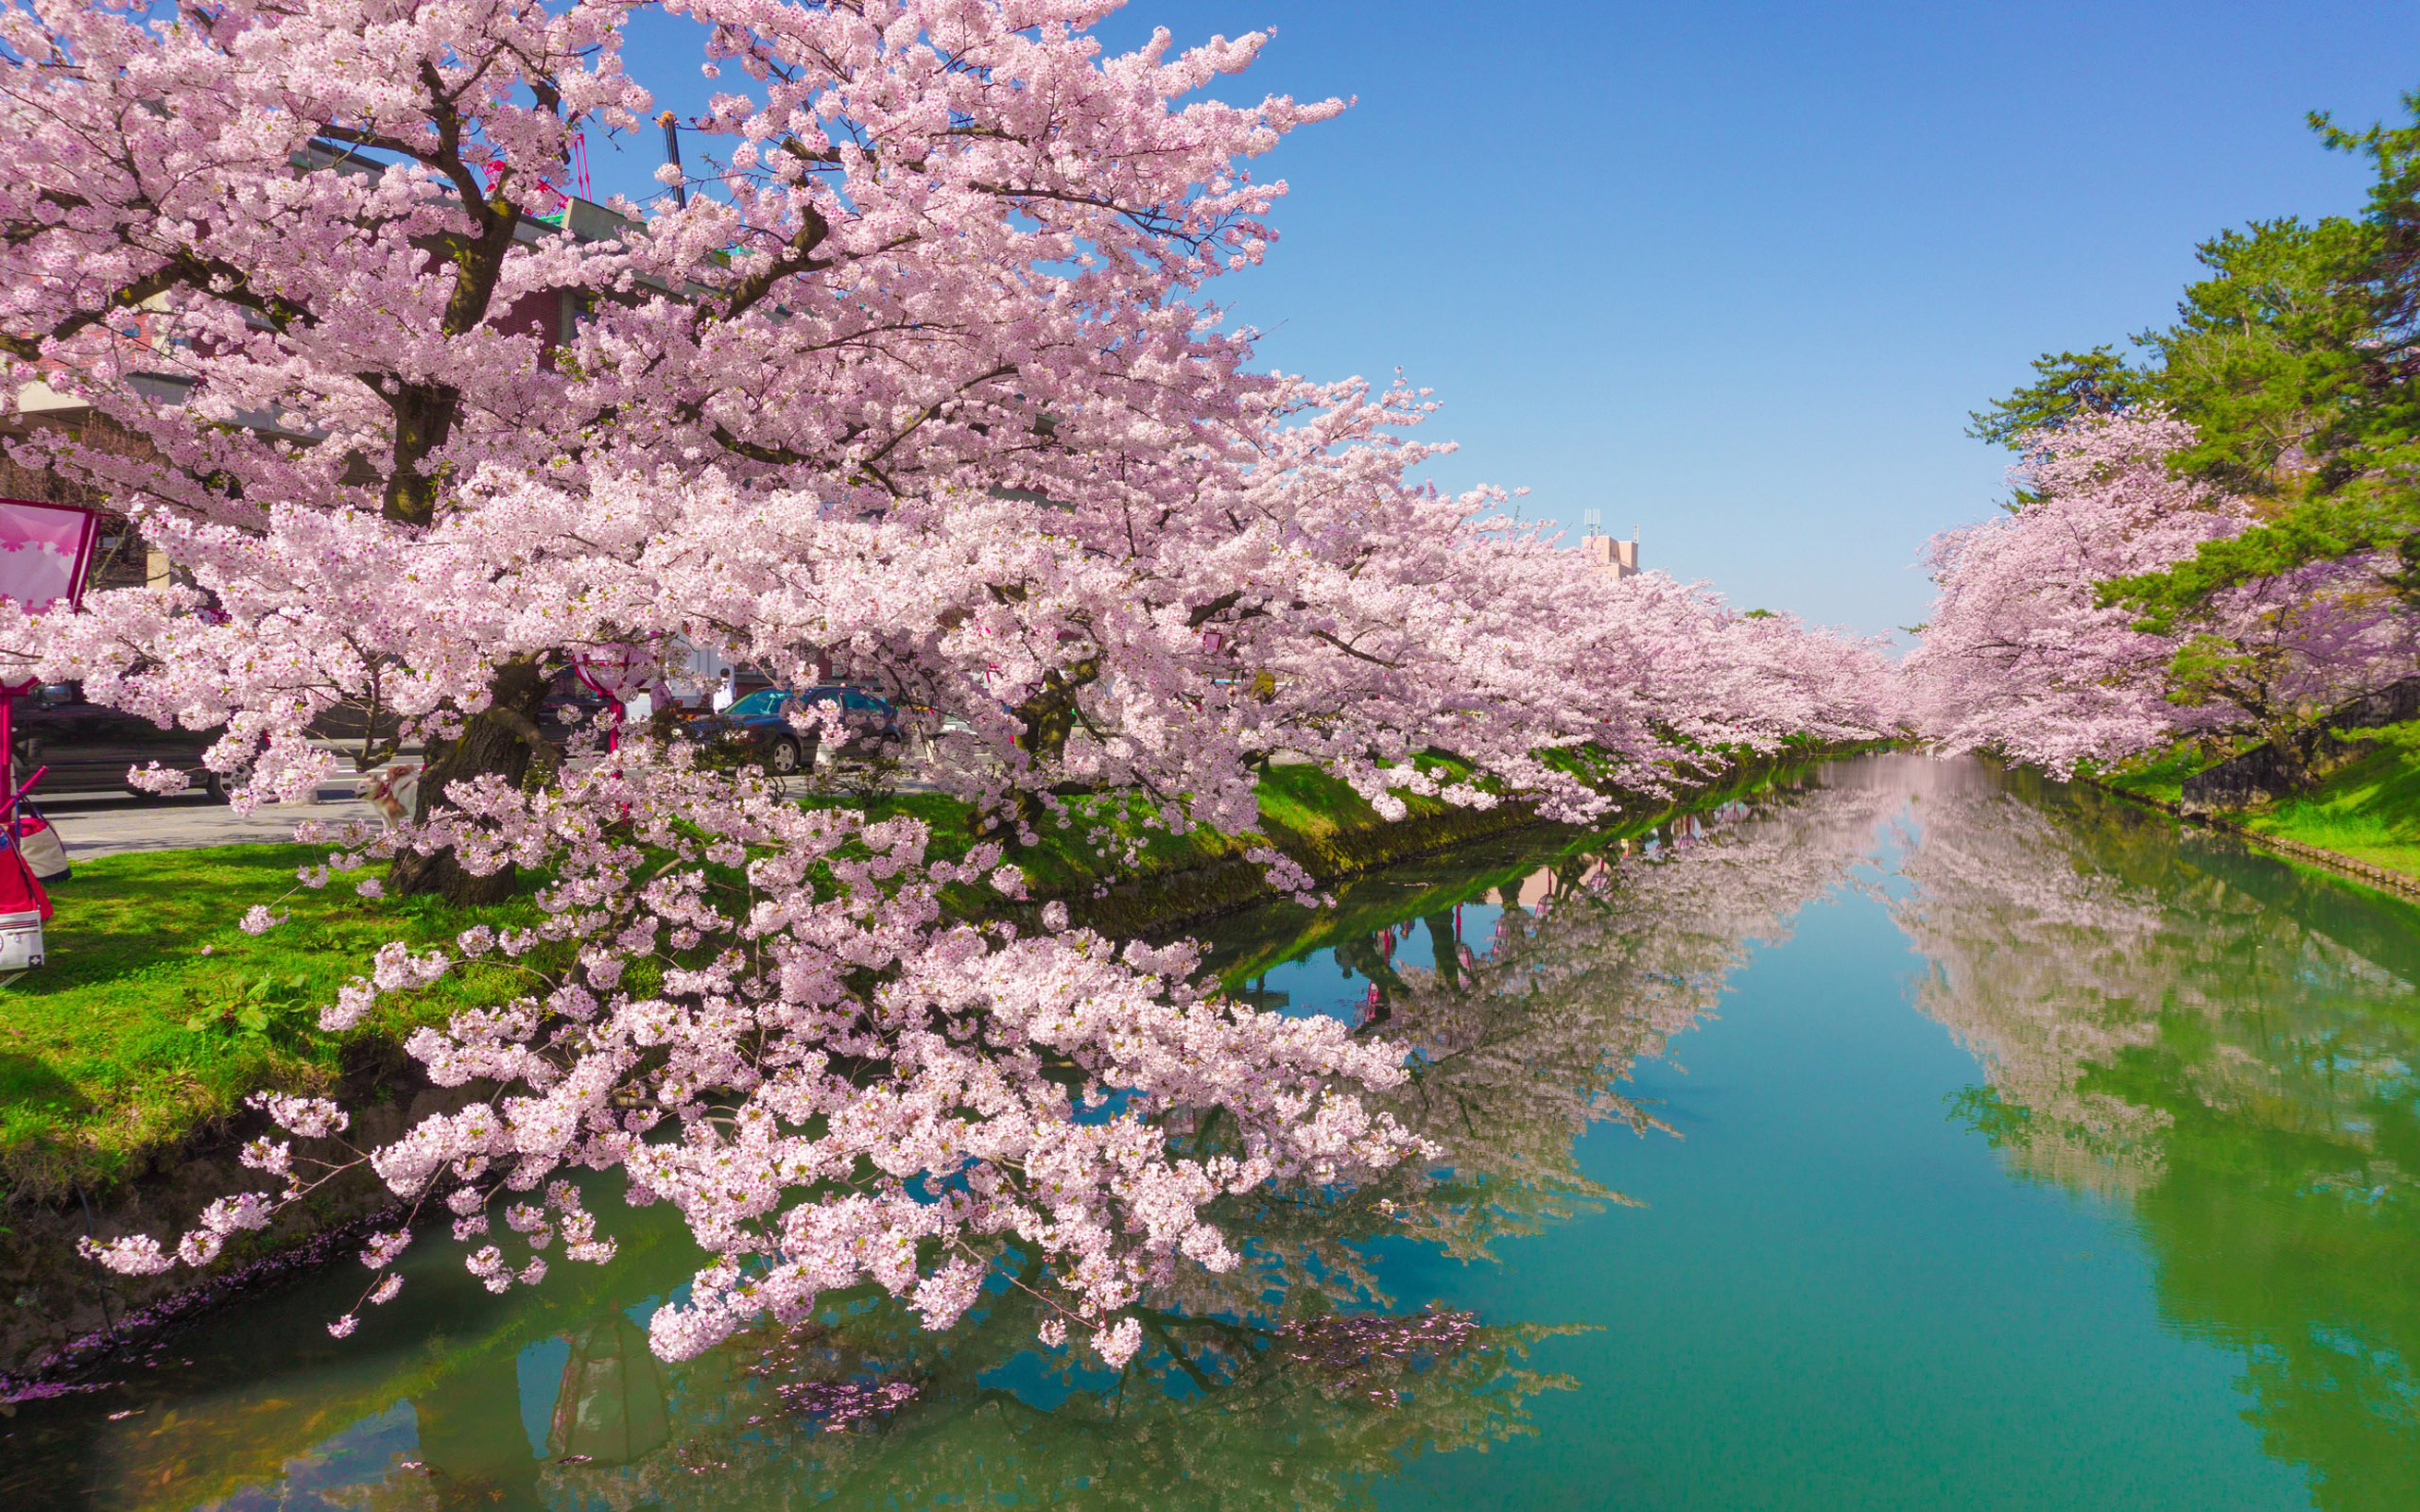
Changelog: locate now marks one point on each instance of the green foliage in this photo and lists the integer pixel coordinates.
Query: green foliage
(2213, 669)
(2391, 277)
(2066, 385)
(2266, 358)
(2295, 360)
(265, 1005)
(2161, 775)
(2309, 530)
(2368, 809)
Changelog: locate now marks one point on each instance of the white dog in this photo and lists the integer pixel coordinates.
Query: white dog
(394, 792)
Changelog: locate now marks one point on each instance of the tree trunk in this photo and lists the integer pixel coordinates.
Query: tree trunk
(495, 741)
(1046, 718)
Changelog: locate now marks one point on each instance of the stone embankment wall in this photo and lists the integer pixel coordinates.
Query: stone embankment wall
(2385, 879)
(2266, 773)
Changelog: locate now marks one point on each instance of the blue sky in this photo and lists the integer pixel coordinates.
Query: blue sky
(1734, 273)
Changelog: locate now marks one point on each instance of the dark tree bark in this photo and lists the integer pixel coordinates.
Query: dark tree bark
(503, 740)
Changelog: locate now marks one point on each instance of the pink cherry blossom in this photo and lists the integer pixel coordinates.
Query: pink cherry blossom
(2024, 655)
(920, 391)
(2019, 654)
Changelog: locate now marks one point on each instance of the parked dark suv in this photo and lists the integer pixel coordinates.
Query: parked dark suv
(89, 748)
(760, 725)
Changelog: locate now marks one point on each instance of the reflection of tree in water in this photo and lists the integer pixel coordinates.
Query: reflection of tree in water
(2042, 965)
(1525, 1046)
(2234, 1050)
(1294, 1380)
(1217, 1412)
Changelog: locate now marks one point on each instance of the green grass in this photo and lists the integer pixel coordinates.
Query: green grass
(1311, 815)
(1066, 861)
(2368, 809)
(156, 1015)
(1465, 875)
(2161, 775)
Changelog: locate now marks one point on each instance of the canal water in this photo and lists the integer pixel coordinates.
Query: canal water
(1913, 1135)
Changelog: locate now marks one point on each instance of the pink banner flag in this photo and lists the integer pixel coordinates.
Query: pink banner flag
(44, 551)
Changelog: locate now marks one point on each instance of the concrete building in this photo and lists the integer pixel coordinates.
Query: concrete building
(1619, 558)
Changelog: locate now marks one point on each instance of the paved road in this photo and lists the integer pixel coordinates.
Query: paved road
(108, 826)
(111, 824)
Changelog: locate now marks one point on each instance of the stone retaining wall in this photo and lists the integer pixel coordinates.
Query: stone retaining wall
(2266, 773)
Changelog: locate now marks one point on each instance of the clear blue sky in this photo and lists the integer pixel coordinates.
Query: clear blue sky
(1734, 273)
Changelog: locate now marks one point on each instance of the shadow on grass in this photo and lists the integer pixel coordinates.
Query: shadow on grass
(2385, 791)
(156, 1013)
(31, 1083)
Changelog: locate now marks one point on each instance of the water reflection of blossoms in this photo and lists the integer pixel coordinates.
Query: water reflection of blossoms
(2042, 965)
(868, 1408)
(1592, 966)
(1294, 1380)
(2078, 946)
(2228, 1047)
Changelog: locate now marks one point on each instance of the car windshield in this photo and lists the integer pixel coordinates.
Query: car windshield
(759, 704)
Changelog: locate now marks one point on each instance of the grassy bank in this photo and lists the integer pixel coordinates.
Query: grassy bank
(1469, 875)
(158, 1015)
(2368, 808)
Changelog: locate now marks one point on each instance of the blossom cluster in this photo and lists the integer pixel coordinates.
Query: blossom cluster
(838, 1084)
(2026, 653)
(917, 390)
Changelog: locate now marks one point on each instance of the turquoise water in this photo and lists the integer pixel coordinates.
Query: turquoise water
(1920, 1138)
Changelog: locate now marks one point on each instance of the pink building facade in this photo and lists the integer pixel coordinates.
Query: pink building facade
(1619, 558)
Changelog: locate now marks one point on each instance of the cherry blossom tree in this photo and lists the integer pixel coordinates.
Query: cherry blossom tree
(920, 393)
(945, 254)
(918, 389)
(2019, 654)
(2273, 654)
(2027, 654)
